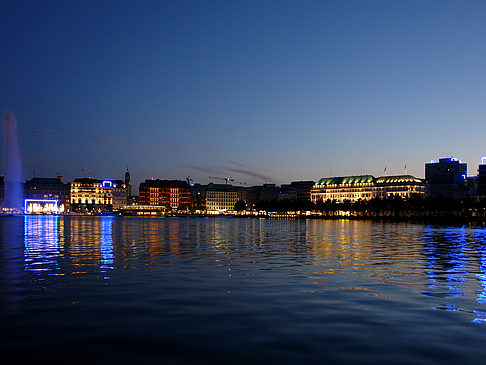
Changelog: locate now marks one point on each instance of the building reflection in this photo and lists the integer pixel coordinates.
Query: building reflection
(455, 255)
(446, 251)
(106, 239)
(480, 238)
(41, 240)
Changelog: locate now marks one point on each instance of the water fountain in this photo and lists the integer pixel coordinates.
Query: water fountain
(13, 194)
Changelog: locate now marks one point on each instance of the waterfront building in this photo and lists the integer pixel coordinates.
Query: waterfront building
(175, 194)
(482, 179)
(214, 197)
(265, 192)
(221, 197)
(119, 194)
(365, 187)
(446, 178)
(2, 190)
(49, 189)
(296, 191)
(198, 197)
(404, 186)
(92, 195)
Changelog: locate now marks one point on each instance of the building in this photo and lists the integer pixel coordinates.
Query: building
(119, 194)
(296, 191)
(92, 195)
(128, 183)
(2, 190)
(265, 192)
(482, 178)
(198, 197)
(41, 188)
(365, 187)
(446, 178)
(214, 197)
(175, 194)
(221, 197)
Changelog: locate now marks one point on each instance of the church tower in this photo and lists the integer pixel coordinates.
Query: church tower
(128, 183)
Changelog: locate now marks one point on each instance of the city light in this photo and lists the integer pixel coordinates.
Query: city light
(107, 184)
(41, 206)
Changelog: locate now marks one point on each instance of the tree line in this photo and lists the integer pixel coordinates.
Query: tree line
(394, 206)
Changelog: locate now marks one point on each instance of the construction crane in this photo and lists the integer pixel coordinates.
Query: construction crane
(226, 179)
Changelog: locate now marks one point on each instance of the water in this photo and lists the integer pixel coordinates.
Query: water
(223, 290)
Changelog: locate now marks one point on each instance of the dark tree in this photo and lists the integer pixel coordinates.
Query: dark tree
(240, 205)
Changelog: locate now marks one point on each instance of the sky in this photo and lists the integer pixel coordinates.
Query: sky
(260, 91)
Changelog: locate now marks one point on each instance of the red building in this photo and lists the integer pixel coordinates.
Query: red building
(174, 194)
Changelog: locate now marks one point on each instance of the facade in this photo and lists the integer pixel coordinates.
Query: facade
(221, 197)
(119, 194)
(214, 197)
(198, 197)
(482, 179)
(2, 190)
(265, 192)
(128, 183)
(365, 187)
(296, 190)
(175, 194)
(40, 188)
(92, 195)
(446, 178)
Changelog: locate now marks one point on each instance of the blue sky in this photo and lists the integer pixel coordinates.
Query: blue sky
(263, 91)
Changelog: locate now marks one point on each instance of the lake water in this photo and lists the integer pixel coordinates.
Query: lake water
(228, 290)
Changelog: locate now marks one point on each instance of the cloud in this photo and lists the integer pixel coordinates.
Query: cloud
(238, 164)
(251, 173)
(209, 170)
(94, 136)
(40, 131)
(220, 127)
(76, 134)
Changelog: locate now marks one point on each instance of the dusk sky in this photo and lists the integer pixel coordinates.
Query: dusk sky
(262, 91)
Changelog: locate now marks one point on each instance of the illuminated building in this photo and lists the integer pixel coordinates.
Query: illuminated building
(221, 197)
(93, 195)
(119, 194)
(174, 194)
(42, 206)
(446, 178)
(214, 197)
(365, 187)
(41, 188)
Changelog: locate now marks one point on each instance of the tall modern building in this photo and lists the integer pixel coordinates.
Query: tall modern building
(446, 178)
(482, 179)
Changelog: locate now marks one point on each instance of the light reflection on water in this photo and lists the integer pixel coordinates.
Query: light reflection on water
(288, 289)
(41, 237)
(106, 246)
